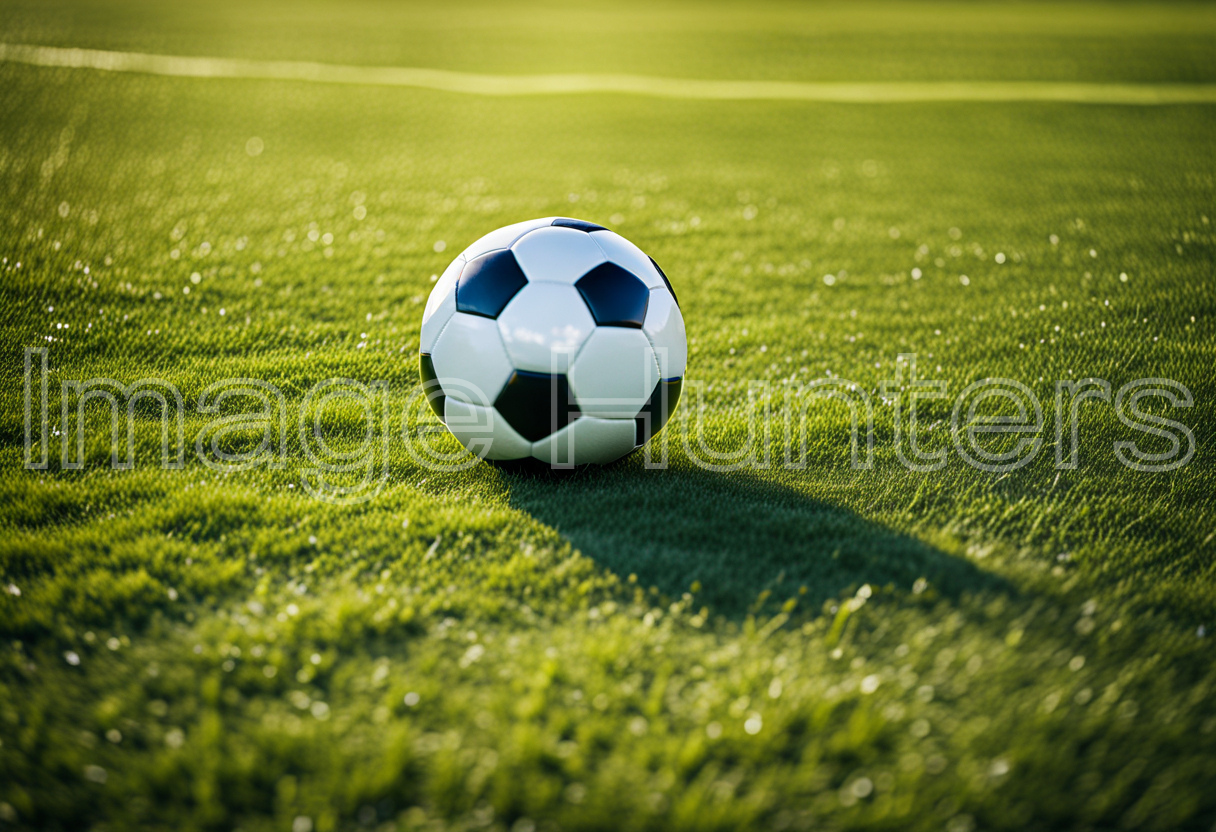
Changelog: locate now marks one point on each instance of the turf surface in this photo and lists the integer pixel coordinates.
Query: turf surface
(620, 648)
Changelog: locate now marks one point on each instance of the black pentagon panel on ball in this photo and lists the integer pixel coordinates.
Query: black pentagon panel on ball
(658, 409)
(488, 283)
(536, 404)
(663, 275)
(580, 225)
(615, 297)
(430, 384)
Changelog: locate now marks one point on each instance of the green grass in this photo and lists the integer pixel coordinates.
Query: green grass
(619, 648)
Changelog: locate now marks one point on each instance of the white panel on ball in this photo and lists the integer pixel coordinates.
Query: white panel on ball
(470, 360)
(628, 256)
(544, 326)
(588, 439)
(504, 237)
(440, 306)
(557, 255)
(483, 431)
(664, 326)
(615, 373)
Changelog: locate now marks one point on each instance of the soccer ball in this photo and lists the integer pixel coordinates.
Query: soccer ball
(555, 339)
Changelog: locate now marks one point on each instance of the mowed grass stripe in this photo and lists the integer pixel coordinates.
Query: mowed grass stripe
(514, 85)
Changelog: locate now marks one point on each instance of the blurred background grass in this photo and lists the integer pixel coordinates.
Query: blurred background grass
(623, 648)
(763, 40)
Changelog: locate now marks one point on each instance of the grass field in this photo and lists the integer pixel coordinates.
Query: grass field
(618, 648)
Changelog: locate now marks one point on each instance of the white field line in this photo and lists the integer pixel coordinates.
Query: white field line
(475, 84)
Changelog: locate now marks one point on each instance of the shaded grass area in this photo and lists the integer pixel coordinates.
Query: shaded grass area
(617, 648)
(740, 538)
